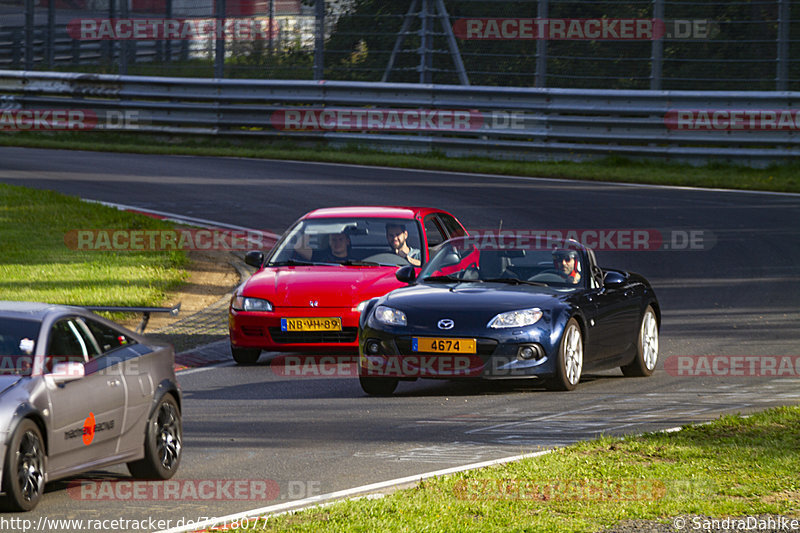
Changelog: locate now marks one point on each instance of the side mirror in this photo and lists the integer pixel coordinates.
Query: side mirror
(68, 371)
(406, 274)
(254, 258)
(613, 279)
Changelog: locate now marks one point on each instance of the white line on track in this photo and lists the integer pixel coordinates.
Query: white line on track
(520, 178)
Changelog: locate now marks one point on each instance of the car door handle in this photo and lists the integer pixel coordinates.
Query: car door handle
(113, 382)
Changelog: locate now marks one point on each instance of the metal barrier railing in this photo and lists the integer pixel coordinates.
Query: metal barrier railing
(500, 122)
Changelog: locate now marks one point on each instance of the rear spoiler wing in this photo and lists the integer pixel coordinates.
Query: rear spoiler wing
(144, 310)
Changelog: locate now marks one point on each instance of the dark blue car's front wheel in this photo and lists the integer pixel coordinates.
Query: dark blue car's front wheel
(378, 386)
(570, 358)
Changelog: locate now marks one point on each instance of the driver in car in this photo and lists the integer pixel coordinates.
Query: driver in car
(567, 264)
(338, 251)
(396, 236)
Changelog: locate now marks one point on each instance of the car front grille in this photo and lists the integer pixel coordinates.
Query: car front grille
(313, 337)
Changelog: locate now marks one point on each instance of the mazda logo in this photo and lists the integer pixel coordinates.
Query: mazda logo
(446, 323)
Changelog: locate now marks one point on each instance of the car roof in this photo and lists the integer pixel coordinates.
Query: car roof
(371, 211)
(32, 310)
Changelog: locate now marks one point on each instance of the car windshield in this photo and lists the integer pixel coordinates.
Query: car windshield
(348, 241)
(503, 259)
(17, 345)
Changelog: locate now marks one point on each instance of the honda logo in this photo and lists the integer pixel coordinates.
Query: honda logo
(446, 323)
(313, 303)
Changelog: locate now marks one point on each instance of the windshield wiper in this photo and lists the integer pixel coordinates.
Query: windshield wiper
(353, 262)
(444, 278)
(300, 262)
(515, 281)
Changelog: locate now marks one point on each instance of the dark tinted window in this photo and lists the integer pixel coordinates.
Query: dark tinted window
(435, 235)
(107, 338)
(17, 345)
(451, 225)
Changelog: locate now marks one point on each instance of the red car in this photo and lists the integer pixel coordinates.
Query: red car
(307, 294)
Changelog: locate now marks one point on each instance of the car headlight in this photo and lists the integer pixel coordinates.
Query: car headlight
(516, 319)
(243, 303)
(390, 316)
(360, 307)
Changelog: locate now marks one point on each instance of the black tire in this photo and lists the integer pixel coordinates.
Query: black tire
(378, 386)
(644, 364)
(245, 356)
(570, 359)
(23, 470)
(163, 442)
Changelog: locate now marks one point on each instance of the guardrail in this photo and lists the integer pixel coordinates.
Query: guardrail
(753, 128)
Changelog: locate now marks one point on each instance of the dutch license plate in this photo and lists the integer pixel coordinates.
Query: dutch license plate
(311, 324)
(441, 345)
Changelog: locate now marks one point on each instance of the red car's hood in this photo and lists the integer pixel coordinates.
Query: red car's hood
(329, 286)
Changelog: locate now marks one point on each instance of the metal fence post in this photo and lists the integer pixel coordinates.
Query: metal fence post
(319, 40)
(50, 53)
(168, 42)
(219, 52)
(782, 74)
(29, 51)
(426, 45)
(657, 49)
(123, 44)
(542, 11)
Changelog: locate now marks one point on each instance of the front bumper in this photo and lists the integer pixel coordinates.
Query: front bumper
(503, 356)
(252, 329)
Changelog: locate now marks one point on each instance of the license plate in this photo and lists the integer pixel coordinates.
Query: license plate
(311, 324)
(442, 345)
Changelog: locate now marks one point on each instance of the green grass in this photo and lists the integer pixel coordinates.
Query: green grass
(36, 264)
(733, 466)
(780, 178)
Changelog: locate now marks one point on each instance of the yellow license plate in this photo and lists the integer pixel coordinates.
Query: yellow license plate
(311, 324)
(441, 345)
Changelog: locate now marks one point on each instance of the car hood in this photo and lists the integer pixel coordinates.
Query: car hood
(474, 298)
(8, 381)
(329, 286)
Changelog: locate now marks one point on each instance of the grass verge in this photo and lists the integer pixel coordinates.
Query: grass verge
(779, 178)
(36, 263)
(733, 466)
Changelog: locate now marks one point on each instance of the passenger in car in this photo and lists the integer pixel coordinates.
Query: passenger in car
(396, 236)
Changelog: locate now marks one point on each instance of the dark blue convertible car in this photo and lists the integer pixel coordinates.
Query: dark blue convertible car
(500, 306)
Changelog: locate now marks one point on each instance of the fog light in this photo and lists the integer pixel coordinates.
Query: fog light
(529, 352)
(373, 347)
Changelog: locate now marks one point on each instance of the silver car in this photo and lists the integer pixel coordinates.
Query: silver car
(79, 392)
